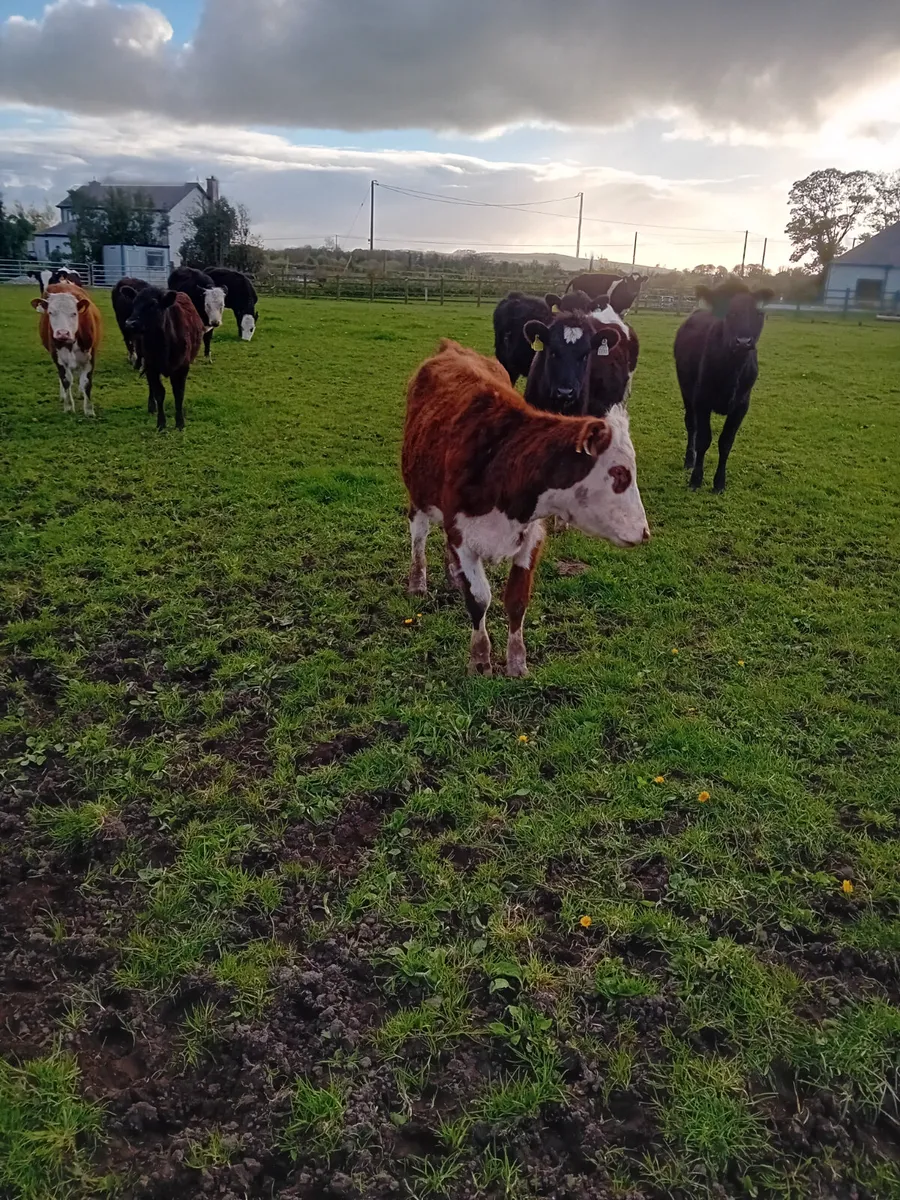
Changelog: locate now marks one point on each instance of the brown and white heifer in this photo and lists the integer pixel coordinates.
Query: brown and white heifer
(481, 462)
(71, 329)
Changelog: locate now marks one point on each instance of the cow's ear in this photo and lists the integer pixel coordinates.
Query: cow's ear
(82, 304)
(39, 302)
(127, 291)
(552, 301)
(704, 293)
(763, 295)
(594, 437)
(609, 335)
(536, 333)
(168, 299)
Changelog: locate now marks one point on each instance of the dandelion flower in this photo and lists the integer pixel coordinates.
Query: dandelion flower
(740, 662)
(408, 621)
(585, 922)
(419, 615)
(523, 737)
(659, 779)
(847, 887)
(674, 649)
(703, 797)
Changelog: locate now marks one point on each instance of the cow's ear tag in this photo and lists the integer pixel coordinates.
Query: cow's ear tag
(537, 344)
(555, 308)
(603, 349)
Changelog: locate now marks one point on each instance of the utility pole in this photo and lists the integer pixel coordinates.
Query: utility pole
(765, 244)
(374, 184)
(634, 252)
(580, 211)
(744, 255)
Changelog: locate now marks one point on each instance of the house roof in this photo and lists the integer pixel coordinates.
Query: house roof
(163, 196)
(882, 250)
(60, 229)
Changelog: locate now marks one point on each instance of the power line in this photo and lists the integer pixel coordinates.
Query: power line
(518, 206)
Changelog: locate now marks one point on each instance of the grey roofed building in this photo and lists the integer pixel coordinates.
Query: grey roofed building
(868, 275)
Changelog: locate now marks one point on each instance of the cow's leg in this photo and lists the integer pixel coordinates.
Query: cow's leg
(86, 383)
(157, 400)
(65, 387)
(451, 568)
(517, 595)
(419, 528)
(726, 441)
(178, 380)
(690, 426)
(207, 344)
(477, 594)
(702, 439)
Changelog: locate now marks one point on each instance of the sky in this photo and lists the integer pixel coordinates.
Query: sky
(684, 121)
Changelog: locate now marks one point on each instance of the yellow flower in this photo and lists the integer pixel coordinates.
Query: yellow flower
(674, 649)
(523, 737)
(408, 621)
(703, 797)
(585, 922)
(660, 779)
(847, 887)
(419, 615)
(740, 662)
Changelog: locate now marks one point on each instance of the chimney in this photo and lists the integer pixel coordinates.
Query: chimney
(212, 189)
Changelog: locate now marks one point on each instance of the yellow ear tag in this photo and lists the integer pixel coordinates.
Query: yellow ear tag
(555, 308)
(537, 344)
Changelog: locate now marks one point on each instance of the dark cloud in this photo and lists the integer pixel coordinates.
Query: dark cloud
(469, 65)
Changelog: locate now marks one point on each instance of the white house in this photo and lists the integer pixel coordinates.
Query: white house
(175, 201)
(867, 275)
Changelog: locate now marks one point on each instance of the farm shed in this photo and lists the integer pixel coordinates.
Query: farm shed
(868, 275)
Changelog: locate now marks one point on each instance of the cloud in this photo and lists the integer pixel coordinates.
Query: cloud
(299, 193)
(469, 65)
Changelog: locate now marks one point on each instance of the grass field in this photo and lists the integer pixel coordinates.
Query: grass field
(291, 907)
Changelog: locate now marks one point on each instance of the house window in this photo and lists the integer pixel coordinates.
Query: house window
(156, 259)
(869, 290)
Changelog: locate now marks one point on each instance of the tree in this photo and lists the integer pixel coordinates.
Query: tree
(825, 207)
(212, 230)
(122, 218)
(886, 210)
(246, 252)
(16, 231)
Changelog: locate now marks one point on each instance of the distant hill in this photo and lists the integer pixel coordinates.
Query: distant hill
(568, 263)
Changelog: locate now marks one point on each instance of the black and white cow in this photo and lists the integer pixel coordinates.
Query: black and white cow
(207, 298)
(55, 275)
(240, 297)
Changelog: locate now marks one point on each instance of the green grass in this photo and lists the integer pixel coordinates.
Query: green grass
(47, 1131)
(189, 618)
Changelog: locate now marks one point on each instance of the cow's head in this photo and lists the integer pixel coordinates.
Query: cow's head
(577, 301)
(563, 359)
(148, 308)
(248, 326)
(214, 305)
(739, 310)
(607, 503)
(62, 309)
(625, 291)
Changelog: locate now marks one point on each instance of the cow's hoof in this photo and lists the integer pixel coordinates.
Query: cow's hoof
(417, 585)
(480, 668)
(719, 488)
(516, 670)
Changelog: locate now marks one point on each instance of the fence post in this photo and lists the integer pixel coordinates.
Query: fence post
(442, 289)
(478, 295)
(372, 287)
(846, 301)
(338, 287)
(305, 281)
(406, 292)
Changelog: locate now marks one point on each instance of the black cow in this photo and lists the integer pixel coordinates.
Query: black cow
(560, 376)
(512, 348)
(207, 298)
(716, 362)
(123, 303)
(170, 332)
(240, 297)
